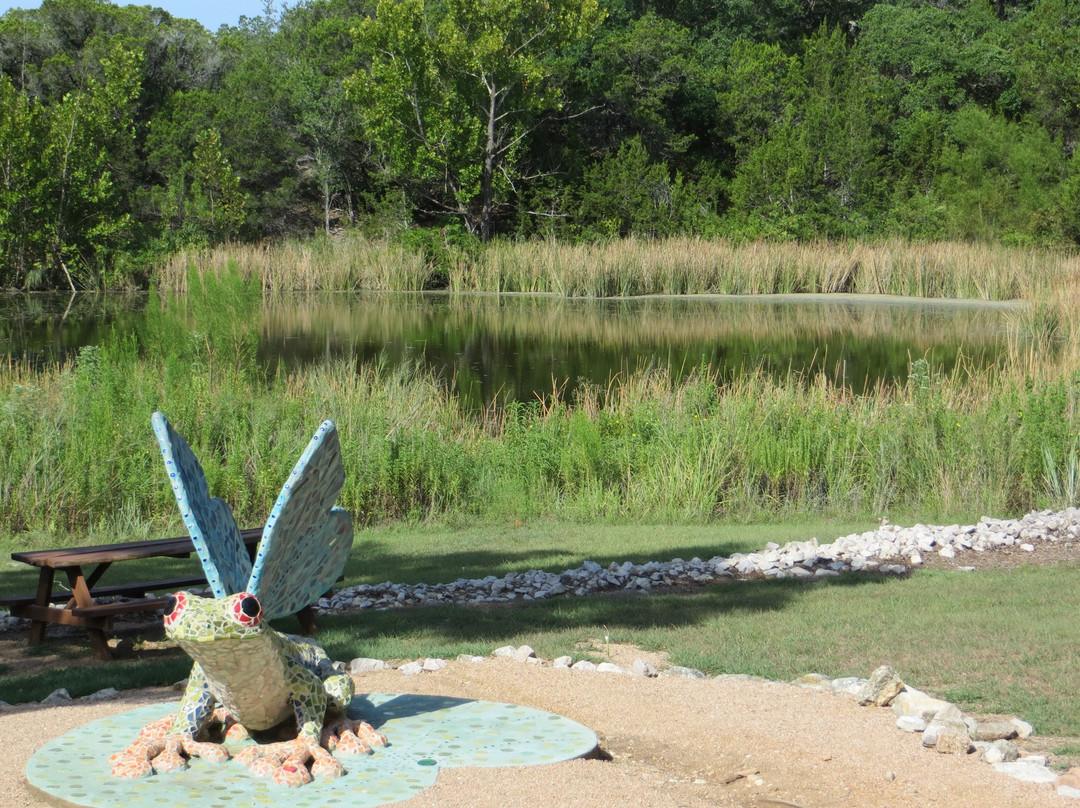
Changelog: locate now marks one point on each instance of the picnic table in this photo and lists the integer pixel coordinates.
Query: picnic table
(76, 606)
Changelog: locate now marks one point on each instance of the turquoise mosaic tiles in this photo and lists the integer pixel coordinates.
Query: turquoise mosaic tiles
(427, 734)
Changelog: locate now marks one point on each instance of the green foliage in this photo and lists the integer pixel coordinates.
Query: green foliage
(66, 215)
(994, 176)
(453, 90)
(217, 203)
(628, 195)
(75, 453)
(819, 168)
(780, 120)
(643, 75)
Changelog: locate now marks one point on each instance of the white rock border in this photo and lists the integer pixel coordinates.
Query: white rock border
(880, 550)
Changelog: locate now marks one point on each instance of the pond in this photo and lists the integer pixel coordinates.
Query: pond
(513, 347)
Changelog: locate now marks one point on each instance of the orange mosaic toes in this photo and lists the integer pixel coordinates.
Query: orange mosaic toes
(129, 765)
(352, 737)
(292, 773)
(170, 759)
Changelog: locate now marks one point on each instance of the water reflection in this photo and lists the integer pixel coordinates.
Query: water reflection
(518, 347)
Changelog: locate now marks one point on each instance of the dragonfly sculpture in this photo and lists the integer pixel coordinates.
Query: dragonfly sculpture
(248, 677)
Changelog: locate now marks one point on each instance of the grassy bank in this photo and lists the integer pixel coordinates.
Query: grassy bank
(638, 267)
(77, 457)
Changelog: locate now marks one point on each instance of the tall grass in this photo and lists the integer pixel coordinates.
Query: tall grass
(639, 267)
(321, 264)
(698, 266)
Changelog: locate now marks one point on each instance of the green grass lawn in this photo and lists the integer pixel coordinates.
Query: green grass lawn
(993, 641)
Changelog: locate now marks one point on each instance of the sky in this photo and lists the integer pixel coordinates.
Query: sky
(211, 13)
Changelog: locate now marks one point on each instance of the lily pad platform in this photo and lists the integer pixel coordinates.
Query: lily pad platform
(426, 734)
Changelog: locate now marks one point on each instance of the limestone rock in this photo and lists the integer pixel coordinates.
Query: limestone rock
(432, 664)
(815, 680)
(58, 696)
(953, 742)
(508, 651)
(851, 685)
(610, 667)
(1023, 728)
(881, 688)
(994, 731)
(583, 665)
(910, 723)
(102, 695)
(1001, 752)
(366, 664)
(685, 673)
(1027, 771)
(411, 668)
(563, 662)
(1071, 778)
(916, 703)
(642, 667)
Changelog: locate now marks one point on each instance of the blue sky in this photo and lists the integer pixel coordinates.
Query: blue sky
(211, 13)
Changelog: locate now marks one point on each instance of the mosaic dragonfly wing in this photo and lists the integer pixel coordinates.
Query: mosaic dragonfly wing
(307, 539)
(209, 520)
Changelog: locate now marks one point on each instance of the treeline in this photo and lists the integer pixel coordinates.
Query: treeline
(127, 134)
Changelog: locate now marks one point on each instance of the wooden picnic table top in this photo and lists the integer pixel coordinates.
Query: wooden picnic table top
(79, 608)
(68, 557)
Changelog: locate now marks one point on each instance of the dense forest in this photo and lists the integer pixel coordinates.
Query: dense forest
(127, 134)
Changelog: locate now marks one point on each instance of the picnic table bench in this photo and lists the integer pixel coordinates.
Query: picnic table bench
(76, 606)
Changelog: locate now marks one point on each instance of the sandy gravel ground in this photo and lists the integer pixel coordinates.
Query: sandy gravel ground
(671, 742)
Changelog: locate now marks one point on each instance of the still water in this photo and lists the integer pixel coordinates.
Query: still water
(491, 347)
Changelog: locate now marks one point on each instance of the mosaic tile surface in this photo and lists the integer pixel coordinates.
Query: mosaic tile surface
(306, 541)
(209, 520)
(427, 734)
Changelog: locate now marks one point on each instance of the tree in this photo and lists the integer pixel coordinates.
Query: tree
(19, 135)
(454, 89)
(820, 169)
(626, 194)
(1048, 81)
(62, 216)
(643, 75)
(997, 178)
(217, 203)
(941, 56)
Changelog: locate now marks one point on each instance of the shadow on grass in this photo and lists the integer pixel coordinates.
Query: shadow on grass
(448, 630)
(82, 680)
(372, 562)
(445, 631)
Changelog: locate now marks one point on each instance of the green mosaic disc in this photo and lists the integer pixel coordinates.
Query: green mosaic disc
(426, 734)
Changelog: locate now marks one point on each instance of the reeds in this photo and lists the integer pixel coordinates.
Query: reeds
(77, 455)
(321, 264)
(76, 452)
(697, 266)
(632, 267)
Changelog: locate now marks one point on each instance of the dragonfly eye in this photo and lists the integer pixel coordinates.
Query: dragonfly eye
(174, 606)
(247, 611)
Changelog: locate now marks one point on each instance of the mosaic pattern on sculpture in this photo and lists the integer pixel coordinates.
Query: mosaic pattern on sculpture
(248, 677)
(209, 521)
(317, 534)
(259, 676)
